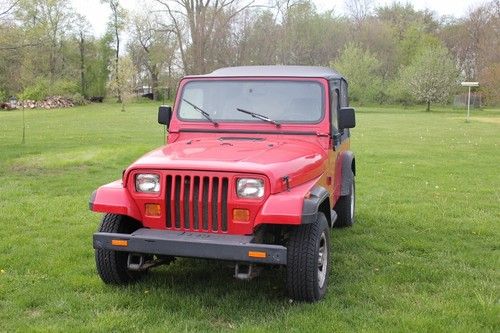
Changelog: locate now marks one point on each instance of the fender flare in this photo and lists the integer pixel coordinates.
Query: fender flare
(348, 172)
(114, 198)
(318, 201)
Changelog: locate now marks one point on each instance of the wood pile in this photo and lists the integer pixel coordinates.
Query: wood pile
(53, 102)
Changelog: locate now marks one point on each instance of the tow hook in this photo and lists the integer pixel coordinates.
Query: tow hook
(137, 262)
(246, 271)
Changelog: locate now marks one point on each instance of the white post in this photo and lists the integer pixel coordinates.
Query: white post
(470, 85)
(468, 106)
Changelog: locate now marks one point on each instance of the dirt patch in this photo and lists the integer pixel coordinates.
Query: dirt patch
(491, 120)
(25, 169)
(31, 170)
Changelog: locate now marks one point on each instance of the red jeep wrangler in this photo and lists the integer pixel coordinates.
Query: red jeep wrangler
(256, 170)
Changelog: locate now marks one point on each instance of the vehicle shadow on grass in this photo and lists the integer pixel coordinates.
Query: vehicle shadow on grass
(211, 278)
(210, 286)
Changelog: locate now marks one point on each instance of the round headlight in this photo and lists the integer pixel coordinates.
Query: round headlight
(250, 188)
(147, 183)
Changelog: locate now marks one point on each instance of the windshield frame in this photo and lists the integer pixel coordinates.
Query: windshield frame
(253, 120)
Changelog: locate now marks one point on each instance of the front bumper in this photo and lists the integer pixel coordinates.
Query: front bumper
(191, 244)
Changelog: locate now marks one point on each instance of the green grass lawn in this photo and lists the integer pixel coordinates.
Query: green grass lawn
(423, 255)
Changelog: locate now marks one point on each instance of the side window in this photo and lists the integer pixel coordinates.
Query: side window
(334, 109)
(344, 102)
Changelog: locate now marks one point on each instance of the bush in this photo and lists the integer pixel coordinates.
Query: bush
(78, 99)
(3, 96)
(43, 89)
(398, 94)
(37, 92)
(64, 88)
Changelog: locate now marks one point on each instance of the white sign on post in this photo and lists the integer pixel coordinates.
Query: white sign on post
(470, 85)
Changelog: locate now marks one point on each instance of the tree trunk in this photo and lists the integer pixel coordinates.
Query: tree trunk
(169, 79)
(154, 84)
(117, 58)
(82, 65)
(428, 106)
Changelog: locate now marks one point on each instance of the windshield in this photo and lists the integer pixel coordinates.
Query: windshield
(278, 101)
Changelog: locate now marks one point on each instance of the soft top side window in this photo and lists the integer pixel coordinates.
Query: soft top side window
(344, 99)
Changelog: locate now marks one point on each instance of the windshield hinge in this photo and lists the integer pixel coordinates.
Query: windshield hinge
(286, 181)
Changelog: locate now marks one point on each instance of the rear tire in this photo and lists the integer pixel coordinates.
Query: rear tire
(345, 208)
(112, 265)
(307, 263)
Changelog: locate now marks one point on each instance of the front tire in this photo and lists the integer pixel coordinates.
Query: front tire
(112, 265)
(307, 264)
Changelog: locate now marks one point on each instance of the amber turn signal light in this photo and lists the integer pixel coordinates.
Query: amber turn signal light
(257, 254)
(241, 215)
(119, 242)
(153, 210)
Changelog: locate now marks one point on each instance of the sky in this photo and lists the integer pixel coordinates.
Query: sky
(97, 13)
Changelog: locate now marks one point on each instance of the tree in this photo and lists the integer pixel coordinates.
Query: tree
(100, 53)
(10, 39)
(117, 24)
(431, 77)
(152, 49)
(307, 37)
(402, 16)
(82, 32)
(474, 42)
(46, 23)
(256, 44)
(361, 69)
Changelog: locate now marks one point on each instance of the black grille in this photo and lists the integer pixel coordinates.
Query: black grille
(196, 202)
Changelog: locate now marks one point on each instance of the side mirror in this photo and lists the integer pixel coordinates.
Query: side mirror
(164, 115)
(347, 118)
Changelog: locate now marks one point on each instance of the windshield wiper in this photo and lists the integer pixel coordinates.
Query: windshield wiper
(203, 112)
(260, 116)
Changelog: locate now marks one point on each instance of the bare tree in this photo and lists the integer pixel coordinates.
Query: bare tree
(6, 7)
(199, 18)
(359, 10)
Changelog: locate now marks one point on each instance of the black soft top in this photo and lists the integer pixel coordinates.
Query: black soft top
(277, 71)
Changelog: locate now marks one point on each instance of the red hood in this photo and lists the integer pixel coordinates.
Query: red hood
(299, 160)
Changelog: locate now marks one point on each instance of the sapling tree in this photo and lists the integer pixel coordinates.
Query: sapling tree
(117, 23)
(122, 79)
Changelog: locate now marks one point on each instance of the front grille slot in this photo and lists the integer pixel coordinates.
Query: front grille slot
(204, 202)
(215, 203)
(168, 202)
(225, 184)
(196, 199)
(196, 203)
(177, 201)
